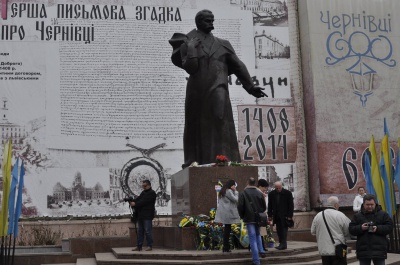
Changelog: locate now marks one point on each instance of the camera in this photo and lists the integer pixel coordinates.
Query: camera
(370, 227)
(128, 199)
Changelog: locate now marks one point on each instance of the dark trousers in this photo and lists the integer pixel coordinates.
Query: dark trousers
(375, 261)
(334, 260)
(281, 230)
(145, 228)
(227, 233)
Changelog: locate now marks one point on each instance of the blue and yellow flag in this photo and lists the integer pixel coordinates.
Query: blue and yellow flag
(18, 205)
(397, 172)
(368, 177)
(6, 171)
(376, 176)
(386, 186)
(388, 161)
(11, 198)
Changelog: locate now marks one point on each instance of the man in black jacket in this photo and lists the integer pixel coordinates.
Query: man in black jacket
(280, 209)
(371, 225)
(144, 206)
(252, 196)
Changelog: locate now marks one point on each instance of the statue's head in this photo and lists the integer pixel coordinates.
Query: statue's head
(205, 21)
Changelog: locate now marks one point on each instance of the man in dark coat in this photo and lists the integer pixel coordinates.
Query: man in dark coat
(252, 201)
(144, 206)
(280, 209)
(209, 126)
(371, 225)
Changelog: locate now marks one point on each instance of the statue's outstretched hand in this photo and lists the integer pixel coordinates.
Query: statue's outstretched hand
(257, 92)
(193, 42)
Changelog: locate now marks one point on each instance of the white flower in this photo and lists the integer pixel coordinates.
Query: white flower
(194, 164)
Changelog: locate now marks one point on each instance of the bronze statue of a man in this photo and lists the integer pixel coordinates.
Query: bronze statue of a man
(209, 126)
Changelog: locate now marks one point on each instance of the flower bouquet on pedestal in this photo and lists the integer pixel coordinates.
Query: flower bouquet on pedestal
(203, 230)
(186, 221)
(221, 161)
(216, 236)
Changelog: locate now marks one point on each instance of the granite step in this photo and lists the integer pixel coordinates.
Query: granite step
(81, 261)
(168, 254)
(351, 257)
(86, 261)
(60, 264)
(212, 258)
(393, 259)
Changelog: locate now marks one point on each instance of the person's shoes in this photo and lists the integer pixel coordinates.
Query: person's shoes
(281, 247)
(148, 249)
(138, 248)
(262, 254)
(226, 250)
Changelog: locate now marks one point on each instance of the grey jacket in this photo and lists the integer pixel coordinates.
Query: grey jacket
(227, 212)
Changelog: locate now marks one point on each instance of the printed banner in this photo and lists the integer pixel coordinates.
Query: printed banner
(267, 134)
(94, 105)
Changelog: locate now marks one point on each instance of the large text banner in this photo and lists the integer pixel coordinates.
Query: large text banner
(267, 134)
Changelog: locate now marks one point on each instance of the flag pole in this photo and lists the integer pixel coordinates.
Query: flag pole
(5, 249)
(9, 249)
(13, 253)
(396, 231)
(18, 206)
(2, 251)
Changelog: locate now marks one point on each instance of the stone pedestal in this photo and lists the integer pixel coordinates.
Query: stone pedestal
(193, 188)
(170, 237)
(193, 193)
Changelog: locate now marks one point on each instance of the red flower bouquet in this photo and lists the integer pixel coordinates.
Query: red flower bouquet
(222, 160)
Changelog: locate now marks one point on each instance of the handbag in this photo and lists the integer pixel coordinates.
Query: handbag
(341, 249)
(289, 222)
(261, 218)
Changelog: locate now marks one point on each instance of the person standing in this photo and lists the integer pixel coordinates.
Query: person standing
(144, 206)
(227, 212)
(371, 226)
(263, 185)
(338, 224)
(251, 202)
(209, 125)
(358, 200)
(280, 209)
